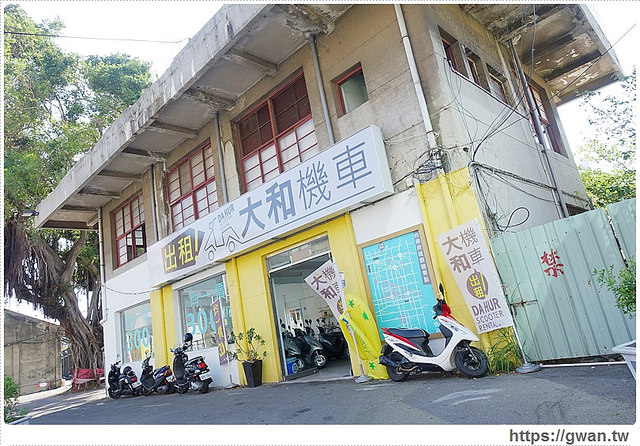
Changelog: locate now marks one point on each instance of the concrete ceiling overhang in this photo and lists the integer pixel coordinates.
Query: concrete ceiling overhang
(239, 46)
(571, 53)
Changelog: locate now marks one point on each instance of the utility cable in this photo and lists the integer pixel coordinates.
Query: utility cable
(19, 33)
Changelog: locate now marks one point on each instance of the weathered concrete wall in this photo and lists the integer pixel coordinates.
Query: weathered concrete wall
(464, 113)
(31, 352)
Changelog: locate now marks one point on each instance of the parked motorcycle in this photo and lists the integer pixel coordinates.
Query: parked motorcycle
(315, 353)
(292, 350)
(190, 373)
(122, 383)
(407, 351)
(333, 342)
(306, 350)
(158, 380)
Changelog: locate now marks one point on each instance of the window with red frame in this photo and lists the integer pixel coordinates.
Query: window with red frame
(497, 87)
(131, 239)
(351, 90)
(192, 187)
(548, 131)
(277, 134)
(449, 54)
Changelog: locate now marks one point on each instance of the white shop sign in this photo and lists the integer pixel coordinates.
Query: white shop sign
(338, 179)
(468, 257)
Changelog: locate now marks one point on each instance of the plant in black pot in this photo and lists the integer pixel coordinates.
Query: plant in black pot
(250, 353)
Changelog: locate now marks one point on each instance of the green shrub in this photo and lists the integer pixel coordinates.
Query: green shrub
(622, 284)
(11, 394)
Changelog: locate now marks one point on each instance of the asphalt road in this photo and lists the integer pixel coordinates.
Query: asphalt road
(586, 395)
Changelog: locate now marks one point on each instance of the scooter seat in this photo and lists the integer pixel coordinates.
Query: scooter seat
(409, 332)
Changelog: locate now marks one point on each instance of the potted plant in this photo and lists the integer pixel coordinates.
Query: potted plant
(251, 355)
(13, 415)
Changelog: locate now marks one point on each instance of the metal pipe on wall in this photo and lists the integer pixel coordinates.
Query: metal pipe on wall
(323, 98)
(415, 76)
(223, 178)
(154, 216)
(103, 276)
(538, 127)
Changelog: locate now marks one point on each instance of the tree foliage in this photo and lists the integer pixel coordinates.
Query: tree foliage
(614, 150)
(56, 106)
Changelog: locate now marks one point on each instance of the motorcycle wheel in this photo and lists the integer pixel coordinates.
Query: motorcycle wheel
(144, 391)
(395, 374)
(113, 394)
(470, 366)
(205, 385)
(319, 360)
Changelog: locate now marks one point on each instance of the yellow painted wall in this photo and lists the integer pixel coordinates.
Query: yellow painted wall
(446, 202)
(163, 324)
(251, 297)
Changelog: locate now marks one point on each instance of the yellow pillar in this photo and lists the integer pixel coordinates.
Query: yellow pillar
(163, 324)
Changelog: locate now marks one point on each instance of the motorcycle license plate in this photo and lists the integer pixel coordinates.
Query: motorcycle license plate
(136, 384)
(205, 375)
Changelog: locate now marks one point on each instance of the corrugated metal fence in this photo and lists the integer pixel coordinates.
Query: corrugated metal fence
(559, 309)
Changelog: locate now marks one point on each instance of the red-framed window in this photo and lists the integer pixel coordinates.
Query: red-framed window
(351, 90)
(276, 134)
(131, 239)
(192, 187)
(473, 68)
(539, 98)
(497, 87)
(450, 55)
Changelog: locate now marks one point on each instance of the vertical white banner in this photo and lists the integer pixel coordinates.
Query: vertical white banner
(327, 283)
(468, 257)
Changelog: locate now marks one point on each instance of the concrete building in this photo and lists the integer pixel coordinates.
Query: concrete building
(285, 135)
(32, 352)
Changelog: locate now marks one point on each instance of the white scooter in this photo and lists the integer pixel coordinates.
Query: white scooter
(407, 351)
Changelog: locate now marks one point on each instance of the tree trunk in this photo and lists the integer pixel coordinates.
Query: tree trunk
(35, 272)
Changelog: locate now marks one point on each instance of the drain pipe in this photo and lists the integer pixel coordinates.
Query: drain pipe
(415, 76)
(103, 281)
(154, 212)
(323, 98)
(539, 132)
(223, 178)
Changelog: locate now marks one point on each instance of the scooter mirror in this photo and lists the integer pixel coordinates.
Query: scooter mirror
(441, 288)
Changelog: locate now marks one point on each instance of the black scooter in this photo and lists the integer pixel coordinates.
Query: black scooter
(125, 383)
(190, 373)
(158, 380)
(333, 342)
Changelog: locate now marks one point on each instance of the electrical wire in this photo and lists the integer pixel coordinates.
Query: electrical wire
(547, 101)
(498, 128)
(134, 293)
(122, 39)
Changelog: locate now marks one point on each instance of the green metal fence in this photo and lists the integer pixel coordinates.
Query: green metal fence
(559, 309)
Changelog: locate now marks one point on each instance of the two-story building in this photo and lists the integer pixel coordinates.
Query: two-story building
(285, 135)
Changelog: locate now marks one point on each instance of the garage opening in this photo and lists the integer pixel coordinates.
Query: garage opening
(310, 340)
